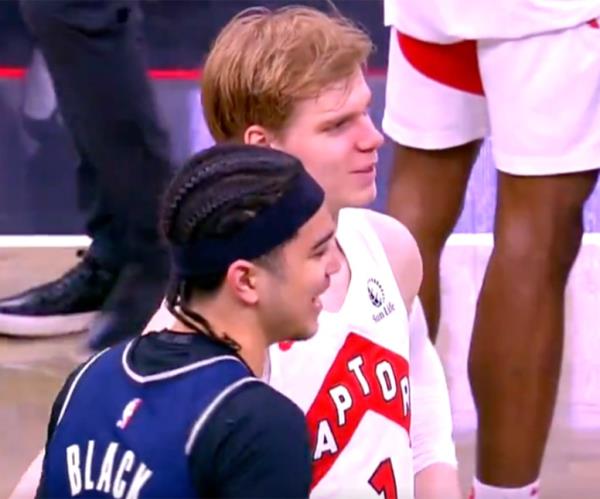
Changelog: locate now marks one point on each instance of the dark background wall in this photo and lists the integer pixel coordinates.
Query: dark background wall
(179, 32)
(38, 163)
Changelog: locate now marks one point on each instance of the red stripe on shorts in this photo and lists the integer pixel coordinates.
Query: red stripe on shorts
(454, 65)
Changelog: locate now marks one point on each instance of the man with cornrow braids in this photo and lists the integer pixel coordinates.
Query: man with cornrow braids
(369, 381)
(180, 412)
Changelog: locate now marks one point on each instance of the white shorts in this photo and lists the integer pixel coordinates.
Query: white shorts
(537, 98)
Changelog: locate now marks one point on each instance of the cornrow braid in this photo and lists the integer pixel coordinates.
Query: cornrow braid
(215, 194)
(177, 193)
(237, 179)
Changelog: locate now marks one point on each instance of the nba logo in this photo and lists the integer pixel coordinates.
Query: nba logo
(128, 412)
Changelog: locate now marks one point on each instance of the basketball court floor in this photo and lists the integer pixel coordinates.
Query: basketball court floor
(32, 371)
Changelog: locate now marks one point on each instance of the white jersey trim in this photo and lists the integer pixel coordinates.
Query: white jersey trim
(74, 384)
(378, 252)
(173, 372)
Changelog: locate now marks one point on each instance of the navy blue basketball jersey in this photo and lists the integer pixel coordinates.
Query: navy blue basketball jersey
(124, 435)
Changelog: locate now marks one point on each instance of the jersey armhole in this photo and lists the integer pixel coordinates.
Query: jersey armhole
(377, 248)
(74, 383)
(205, 415)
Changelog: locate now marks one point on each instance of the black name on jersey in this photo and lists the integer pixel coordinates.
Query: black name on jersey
(128, 474)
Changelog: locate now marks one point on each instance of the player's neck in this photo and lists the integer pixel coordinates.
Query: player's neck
(254, 352)
(335, 212)
(335, 295)
(239, 327)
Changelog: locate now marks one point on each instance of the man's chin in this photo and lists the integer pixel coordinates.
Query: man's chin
(363, 198)
(304, 336)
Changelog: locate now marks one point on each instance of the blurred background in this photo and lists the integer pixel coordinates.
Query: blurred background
(35, 150)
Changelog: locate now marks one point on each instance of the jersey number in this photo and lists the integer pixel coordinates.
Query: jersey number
(384, 481)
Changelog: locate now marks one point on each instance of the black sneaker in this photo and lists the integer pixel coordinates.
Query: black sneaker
(66, 305)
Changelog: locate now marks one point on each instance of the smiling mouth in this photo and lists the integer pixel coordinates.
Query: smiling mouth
(368, 169)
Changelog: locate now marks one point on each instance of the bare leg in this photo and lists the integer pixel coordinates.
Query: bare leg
(426, 193)
(516, 351)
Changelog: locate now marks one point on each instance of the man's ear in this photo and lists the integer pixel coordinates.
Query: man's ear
(242, 281)
(257, 135)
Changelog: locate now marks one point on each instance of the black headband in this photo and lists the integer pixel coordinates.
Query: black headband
(270, 227)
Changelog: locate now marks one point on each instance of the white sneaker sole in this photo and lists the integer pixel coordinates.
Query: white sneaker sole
(38, 326)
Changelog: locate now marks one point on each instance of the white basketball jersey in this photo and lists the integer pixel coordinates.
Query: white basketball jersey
(351, 378)
(446, 21)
